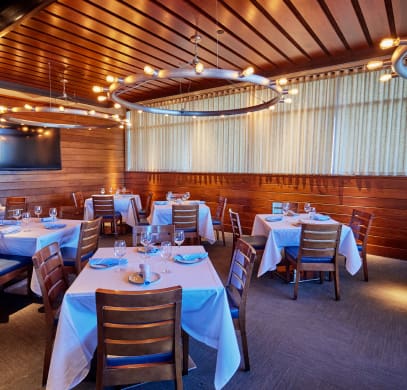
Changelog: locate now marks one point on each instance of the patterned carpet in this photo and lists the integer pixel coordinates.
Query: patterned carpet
(315, 342)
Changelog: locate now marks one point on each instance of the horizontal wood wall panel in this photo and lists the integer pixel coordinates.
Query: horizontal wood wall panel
(90, 160)
(250, 194)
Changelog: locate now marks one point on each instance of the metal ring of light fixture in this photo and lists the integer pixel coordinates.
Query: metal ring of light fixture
(11, 117)
(399, 60)
(134, 81)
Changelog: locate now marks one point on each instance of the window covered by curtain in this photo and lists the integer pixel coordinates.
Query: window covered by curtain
(337, 124)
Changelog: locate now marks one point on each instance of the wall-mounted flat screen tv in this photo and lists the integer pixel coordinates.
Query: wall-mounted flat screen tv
(29, 149)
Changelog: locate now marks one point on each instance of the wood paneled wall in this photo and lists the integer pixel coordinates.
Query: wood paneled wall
(249, 194)
(90, 159)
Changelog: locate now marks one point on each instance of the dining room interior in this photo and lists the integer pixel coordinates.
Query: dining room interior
(257, 103)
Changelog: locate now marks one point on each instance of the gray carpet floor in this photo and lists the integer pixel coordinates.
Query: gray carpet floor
(315, 342)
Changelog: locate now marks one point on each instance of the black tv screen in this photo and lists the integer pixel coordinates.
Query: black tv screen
(29, 149)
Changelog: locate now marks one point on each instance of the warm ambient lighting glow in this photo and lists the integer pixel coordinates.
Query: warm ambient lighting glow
(387, 43)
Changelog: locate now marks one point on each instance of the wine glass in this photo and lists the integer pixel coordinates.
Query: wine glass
(145, 240)
(17, 214)
(179, 237)
(38, 211)
(119, 250)
(53, 213)
(307, 207)
(26, 219)
(165, 254)
(187, 195)
(286, 207)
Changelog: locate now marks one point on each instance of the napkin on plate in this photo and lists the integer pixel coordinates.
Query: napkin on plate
(8, 222)
(191, 257)
(274, 218)
(9, 229)
(321, 217)
(161, 202)
(47, 219)
(105, 262)
(54, 225)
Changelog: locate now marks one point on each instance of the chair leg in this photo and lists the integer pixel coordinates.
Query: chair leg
(245, 347)
(223, 237)
(185, 352)
(47, 355)
(365, 273)
(297, 279)
(336, 281)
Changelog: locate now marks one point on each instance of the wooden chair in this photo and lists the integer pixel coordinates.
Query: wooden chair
(137, 218)
(12, 203)
(217, 219)
(186, 217)
(237, 288)
(14, 268)
(103, 206)
(258, 242)
(139, 337)
(49, 267)
(277, 207)
(75, 258)
(78, 199)
(318, 251)
(145, 212)
(360, 223)
(159, 233)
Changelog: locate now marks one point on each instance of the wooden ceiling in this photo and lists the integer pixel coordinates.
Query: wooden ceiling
(62, 48)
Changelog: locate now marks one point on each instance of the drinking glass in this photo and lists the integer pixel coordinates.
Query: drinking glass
(286, 207)
(38, 211)
(26, 220)
(169, 196)
(312, 212)
(119, 251)
(53, 212)
(17, 214)
(179, 237)
(307, 207)
(102, 191)
(145, 240)
(187, 195)
(165, 254)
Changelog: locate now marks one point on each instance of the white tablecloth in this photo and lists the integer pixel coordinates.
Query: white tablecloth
(284, 233)
(161, 214)
(35, 236)
(205, 314)
(121, 204)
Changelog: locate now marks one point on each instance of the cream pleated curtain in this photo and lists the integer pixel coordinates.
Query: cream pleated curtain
(337, 124)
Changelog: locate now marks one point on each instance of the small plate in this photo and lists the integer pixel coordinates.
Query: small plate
(180, 259)
(274, 218)
(137, 278)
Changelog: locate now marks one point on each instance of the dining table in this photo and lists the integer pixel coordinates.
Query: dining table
(24, 239)
(121, 204)
(161, 214)
(205, 312)
(282, 231)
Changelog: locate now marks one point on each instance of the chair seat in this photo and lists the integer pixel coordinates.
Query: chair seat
(116, 215)
(292, 251)
(216, 221)
(113, 361)
(257, 242)
(10, 263)
(233, 307)
(69, 255)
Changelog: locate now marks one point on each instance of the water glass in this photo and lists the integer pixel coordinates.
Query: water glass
(119, 251)
(26, 219)
(102, 191)
(165, 254)
(179, 237)
(53, 212)
(312, 213)
(286, 207)
(17, 214)
(38, 211)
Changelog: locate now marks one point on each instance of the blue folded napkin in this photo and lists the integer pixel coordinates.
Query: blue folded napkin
(54, 225)
(9, 229)
(8, 222)
(105, 262)
(190, 257)
(321, 217)
(150, 250)
(46, 219)
(161, 202)
(274, 218)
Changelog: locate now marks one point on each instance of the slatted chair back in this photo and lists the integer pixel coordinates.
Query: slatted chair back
(78, 199)
(53, 281)
(218, 218)
(13, 203)
(318, 251)
(236, 226)
(237, 288)
(360, 223)
(139, 336)
(145, 212)
(75, 258)
(159, 233)
(186, 217)
(138, 220)
(103, 206)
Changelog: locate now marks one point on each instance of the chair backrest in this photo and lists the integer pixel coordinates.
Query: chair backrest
(220, 209)
(49, 267)
(103, 205)
(136, 214)
(186, 217)
(240, 273)
(236, 226)
(360, 223)
(159, 233)
(88, 242)
(149, 201)
(277, 207)
(14, 202)
(78, 199)
(131, 326)
(319, 242)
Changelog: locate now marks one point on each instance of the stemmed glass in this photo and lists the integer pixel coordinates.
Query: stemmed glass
(286, 207)
(17, 214)
(307, 207)
(26, 219)
(38, 211)
(165, 254)
(53, 213)
(179, 237)
(119, 251)
(145, 240)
